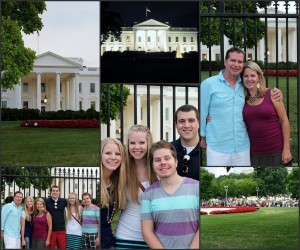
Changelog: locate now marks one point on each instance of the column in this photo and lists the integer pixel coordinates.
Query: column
(261, 52)
(156, 33)
(57, 90)
(38, 91)
(146, 40)
(76, 91)
(279, 46)
(165, 39)
(72, 96)
(138, 108)
(18, 101)
(67, 95)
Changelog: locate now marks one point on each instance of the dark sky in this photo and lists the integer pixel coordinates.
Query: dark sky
(177, 13)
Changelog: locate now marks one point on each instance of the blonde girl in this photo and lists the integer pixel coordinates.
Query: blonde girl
(139, 176)
(73, 213)
(113, 179)
(27, 222)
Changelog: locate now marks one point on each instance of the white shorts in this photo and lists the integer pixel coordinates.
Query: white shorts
(214, 158)
(11, 243)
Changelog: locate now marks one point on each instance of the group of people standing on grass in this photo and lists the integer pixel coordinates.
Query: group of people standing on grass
(51, 223)
(155, 185)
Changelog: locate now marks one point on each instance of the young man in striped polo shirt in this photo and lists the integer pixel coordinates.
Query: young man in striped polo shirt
(170, 207)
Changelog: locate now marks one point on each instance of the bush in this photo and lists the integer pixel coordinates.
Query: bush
(9, 114)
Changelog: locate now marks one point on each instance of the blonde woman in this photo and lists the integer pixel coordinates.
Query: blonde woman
(113, 197)
(139, 176)
(27, 222)
(73, 213)
(266, 120)
(42, 225)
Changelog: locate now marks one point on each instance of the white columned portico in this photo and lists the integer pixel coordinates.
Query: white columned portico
(76, 91)
(17, 89)
(57, 92)
(38, 91)
(67, 95)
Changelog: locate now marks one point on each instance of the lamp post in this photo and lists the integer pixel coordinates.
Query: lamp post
(257, 189)
(226, 190)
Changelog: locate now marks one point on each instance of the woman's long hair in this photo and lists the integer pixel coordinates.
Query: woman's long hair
(76, 205)
(27, 210)
(117, 191)
(132, 182)
(36, 212)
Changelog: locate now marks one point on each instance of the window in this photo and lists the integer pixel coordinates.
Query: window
(25, 87)
(170, 49)
(104, 49)
(184, 49)
(176, 39)
(80, 105)
(111, 48)
(204, 57)
(80, 87)
(120, 49)
(249, 57)
(167, 136)
(112, 39)
(149, 39)
(92, 87)
(43, 108)
(192, 48)
(128, 39)
(76, 185)
(4, 104)
(43, 87)
(60, 87)
(169, 39)
(184, 39)
(192, 39)
(25, 104)
(4, 90)
(127, 48)
(93, 105)
(167, 114)
(218, 57)
(120, 39)
(139, 39)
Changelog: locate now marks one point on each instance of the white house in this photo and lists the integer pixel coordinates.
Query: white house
(153, 36)
(55, 83)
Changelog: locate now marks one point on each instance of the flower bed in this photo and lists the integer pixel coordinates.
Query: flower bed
(281, 72)
(231, 210)
(61, 123)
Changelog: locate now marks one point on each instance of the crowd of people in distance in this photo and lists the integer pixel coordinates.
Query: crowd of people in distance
(269, 201)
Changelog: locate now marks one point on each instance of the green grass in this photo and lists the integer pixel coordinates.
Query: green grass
(48, 146)
(291, 108)
(267, 228)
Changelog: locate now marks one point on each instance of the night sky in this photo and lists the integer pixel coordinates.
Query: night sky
(177, 13)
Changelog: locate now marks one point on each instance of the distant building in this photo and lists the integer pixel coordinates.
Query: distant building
(153, 36)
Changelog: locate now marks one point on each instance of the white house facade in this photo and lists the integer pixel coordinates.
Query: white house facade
(55, 83)
(153, 36)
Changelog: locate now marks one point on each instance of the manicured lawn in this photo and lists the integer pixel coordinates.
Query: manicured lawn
(267, 228)
(48, 146)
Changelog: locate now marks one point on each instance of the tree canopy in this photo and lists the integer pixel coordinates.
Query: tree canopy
(233, 27)
(16, 59)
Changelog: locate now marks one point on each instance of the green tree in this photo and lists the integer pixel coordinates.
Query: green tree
(293, 183)
(110, 23)
(275, 179)
(246, 186)
(16, 60)
(233, 27)
(110, 94)
(206, 187)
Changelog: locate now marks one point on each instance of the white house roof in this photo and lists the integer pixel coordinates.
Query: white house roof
(151, 23)
(50, 59)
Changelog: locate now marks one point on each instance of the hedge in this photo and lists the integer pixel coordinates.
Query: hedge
(9, 114)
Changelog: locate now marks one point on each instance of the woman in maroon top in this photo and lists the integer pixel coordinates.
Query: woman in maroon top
(266, 120)
(42, 225)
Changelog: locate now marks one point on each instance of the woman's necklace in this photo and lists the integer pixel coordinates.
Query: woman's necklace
(252, 99)
(109, 220)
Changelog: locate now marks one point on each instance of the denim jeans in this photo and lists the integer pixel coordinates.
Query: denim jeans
(28, 242)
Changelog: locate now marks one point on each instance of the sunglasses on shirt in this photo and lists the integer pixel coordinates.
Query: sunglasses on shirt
(185, 168)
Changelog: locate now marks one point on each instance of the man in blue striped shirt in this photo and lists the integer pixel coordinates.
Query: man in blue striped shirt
(11, 222)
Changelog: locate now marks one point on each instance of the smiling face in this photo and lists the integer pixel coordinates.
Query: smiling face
(18, 198)
(39, 206)
(86, 200)
(29, 202)
(164, 163)
(72, 199)
(55, 193)
(234, 64)
(250, 78)
(187, 126)
(137, 145)
(111, 156)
